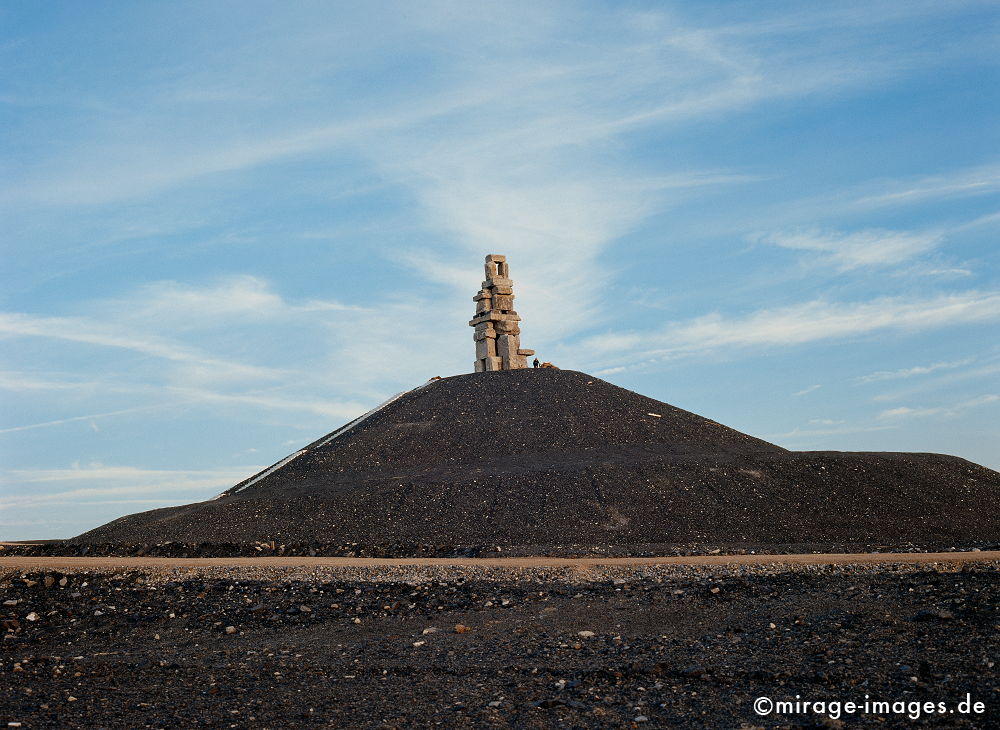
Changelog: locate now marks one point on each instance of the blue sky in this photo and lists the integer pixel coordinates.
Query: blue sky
(229, 227)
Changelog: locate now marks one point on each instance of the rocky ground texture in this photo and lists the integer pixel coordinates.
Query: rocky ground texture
(398, 647)
(411, 550)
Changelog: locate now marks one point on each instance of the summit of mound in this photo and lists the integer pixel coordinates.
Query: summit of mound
(512, 416)
(554, 457)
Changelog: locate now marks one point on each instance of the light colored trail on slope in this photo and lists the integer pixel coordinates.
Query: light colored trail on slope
(339, 432)
(30, 563)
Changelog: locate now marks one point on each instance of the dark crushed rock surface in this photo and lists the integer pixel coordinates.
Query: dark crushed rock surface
(402, 550)
(488, 647)
(551, 459)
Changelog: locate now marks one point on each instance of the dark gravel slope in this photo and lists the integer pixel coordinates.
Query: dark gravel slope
(557, 458)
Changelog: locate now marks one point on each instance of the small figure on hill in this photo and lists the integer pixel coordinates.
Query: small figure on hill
(535, 363)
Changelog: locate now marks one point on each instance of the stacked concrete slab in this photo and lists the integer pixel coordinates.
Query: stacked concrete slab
(498, 335)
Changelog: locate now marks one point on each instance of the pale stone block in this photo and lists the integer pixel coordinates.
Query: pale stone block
(508, 327)
(486, 348)
(483, 305)
(522, 351)
(502, 290)
(495, 281)
(496, 258)
(480, 365)
(483, 294)
(514, 363)
(507, 346)
(494, 316)
(504, 302)
(484, 330)
(493, 363)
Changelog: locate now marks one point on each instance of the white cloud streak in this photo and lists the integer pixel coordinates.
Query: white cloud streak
(104, 334)
(126, 484)
(972, 181)
(905, 412)
(27, 382)
(806, 391)
(89, 417)
(808, 322)
(913, 371)
(273, 401)
(848, 251)
(832, 429)
(158, 321)
(513, 153)
(178, 307)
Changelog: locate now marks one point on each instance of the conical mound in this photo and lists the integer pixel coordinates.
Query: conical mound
(542, 458)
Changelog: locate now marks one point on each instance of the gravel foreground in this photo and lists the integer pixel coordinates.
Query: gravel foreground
(450, 646)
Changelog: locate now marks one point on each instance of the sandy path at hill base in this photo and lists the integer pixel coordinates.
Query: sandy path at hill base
(33, 563)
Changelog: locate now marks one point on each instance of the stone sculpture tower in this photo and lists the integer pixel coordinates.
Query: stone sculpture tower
(498, 337)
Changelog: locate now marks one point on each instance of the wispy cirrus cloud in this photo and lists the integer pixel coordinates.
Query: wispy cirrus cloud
(151, 319)
(939, 272)
(87, 417)
(83, 330)
(985, 369)
(172, 306)
(795, 220)
(27, 382)
(964, 182)
(825, 427)
(515, 152)
(272, 400)
(913, 371)
(98, 484)
(528, 173)
(848, 251)
(168, 323)
(187, 398)
(951, 411)
(807, 322)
